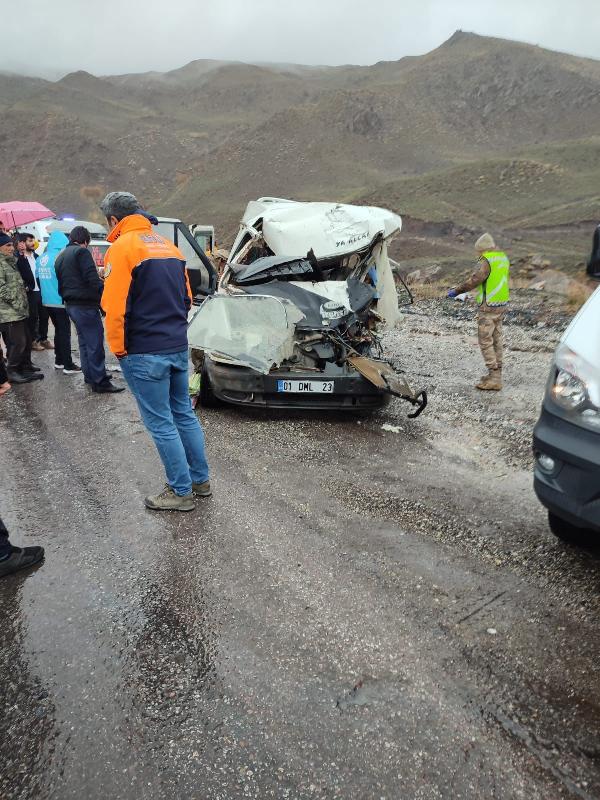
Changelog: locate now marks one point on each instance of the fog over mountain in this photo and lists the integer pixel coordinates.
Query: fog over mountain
(123, 36)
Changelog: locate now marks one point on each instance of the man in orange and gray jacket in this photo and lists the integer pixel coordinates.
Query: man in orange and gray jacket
(146, 299)
(491, 279)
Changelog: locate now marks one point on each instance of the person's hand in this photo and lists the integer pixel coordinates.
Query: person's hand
(452, 293)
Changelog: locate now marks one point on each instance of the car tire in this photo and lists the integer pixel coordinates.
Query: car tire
(207, 398)
(571, 534)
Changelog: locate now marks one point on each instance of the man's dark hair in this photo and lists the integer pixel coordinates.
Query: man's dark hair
(79, 235)
(22, 237)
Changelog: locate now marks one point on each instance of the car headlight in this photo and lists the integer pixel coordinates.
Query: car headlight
(569, 391)
(574, 386)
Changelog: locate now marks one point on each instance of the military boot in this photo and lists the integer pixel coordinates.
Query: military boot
(491, 382)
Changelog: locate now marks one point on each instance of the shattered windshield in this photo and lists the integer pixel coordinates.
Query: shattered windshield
(252, 330)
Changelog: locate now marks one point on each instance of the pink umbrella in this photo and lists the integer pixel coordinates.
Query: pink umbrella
(18, 212)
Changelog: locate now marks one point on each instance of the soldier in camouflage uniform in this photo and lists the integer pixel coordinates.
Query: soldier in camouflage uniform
(491, 280)
(14, 313)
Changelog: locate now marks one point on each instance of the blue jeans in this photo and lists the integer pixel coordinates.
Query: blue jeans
(159, 383)
(90, 335)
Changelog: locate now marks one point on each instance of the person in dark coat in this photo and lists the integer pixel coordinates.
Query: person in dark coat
(80, 287)
(38, 315)
(4, 382)
(593, 265)
(13, 559)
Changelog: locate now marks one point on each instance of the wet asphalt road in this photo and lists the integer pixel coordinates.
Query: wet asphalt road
(354, 614)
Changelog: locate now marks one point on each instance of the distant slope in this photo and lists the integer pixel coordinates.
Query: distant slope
(478, 132)
(470, 99)
(544, 185)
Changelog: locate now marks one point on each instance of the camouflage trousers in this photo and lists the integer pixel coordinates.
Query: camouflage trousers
(489, 332)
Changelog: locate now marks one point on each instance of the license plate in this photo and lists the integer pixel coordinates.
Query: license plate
(305, 387)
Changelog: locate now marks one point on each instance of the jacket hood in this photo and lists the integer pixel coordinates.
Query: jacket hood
(57, 242)
(485, 242)
(133, 222)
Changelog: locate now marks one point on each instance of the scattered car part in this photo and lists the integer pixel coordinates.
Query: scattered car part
(381, 374)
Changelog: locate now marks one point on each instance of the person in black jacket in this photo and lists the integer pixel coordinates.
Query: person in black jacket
(12, 558)
(80, 287)
(38, 314)
(593, 265)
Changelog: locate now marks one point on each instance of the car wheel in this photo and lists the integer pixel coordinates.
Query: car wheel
(207, 397)
(571, 534)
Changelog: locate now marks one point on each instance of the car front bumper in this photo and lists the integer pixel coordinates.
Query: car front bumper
(246, 387)
(571, 490)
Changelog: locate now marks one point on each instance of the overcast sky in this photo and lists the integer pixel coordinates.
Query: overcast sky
(53, 37)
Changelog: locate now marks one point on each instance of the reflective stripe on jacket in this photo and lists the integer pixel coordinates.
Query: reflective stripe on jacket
(146, 291)
(495, 290)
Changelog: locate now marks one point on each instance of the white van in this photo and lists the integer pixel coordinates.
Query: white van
(42, 229)
(567, 436)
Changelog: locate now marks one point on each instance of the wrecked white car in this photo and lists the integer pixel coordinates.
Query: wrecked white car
(296, 319)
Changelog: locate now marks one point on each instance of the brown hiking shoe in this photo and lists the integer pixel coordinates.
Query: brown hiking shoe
(37, 347)
(167, 500)
(491, 382)
(202, 489)
(47, 344)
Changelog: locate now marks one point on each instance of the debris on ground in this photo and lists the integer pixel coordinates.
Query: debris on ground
(391, 428)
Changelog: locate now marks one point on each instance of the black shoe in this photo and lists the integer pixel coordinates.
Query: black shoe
(73, 369)
(37, 376)
(107, 388)
(31, 368)
(21, 558)
(24, 377)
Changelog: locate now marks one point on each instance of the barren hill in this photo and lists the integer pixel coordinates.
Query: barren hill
(479, 132)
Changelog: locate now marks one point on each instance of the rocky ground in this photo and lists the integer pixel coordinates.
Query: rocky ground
(368, 608)
(436, 342)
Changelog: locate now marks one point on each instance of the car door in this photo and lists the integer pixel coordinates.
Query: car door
(201, 271)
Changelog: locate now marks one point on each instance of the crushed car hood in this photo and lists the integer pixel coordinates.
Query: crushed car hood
(256, 331)
(324, 304)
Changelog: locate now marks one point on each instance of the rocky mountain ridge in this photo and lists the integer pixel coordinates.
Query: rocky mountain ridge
(200, 141)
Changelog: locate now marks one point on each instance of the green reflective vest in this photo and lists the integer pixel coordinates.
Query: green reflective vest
(495, 289)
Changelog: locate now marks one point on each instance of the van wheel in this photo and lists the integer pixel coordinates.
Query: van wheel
(207, 397)
(571, 534)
